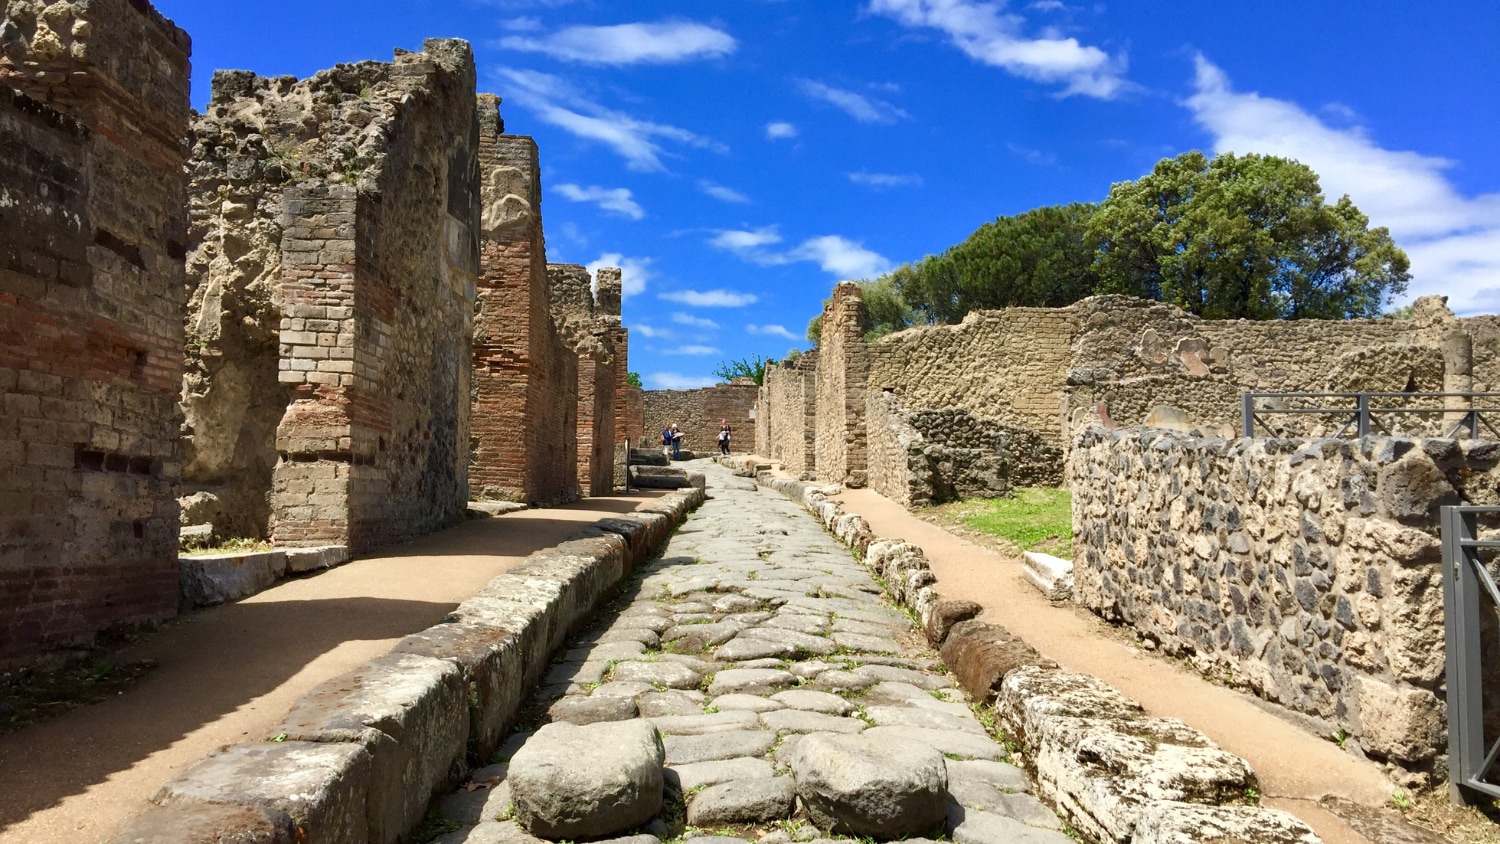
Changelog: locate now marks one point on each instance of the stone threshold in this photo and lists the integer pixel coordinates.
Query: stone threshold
(1111, 771)
(361, 756)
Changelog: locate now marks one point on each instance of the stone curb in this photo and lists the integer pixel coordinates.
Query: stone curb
(212, 579)
(1114, 773)
(360, 757)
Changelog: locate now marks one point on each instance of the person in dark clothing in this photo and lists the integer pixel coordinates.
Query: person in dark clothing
(666, 441)
(723, 436)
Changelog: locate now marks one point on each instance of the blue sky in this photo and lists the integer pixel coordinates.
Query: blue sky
(739, 158)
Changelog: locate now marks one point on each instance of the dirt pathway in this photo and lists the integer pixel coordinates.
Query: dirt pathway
(230, 673)
(1295, 767)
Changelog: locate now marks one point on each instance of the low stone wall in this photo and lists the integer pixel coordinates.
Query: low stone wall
(1113, 773)
(360, 756)
(1306, 571)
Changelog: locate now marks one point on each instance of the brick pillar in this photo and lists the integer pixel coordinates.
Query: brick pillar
(525, 376)
(843, 375)
(588, 332)
(93, 226)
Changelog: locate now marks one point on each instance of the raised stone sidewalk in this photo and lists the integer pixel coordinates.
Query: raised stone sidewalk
(786, 698)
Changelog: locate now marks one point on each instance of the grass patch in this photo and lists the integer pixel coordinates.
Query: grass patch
(1036, 519)
(237, 545)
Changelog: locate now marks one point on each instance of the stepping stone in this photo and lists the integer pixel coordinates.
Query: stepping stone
(885, 788)
(811, 701)
(582, 710)
(672, 675)
(749, 703)
(798, 721)
(751, 801)
(703, 774)
(751, 681)
(904, 675)
(916, 716)
(1002, 776)
(684, 750)
(671, 702)
(959, 743)
(587, 782)
(966, 826)
(694, 725)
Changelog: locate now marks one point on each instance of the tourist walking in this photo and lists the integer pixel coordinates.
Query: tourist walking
(676, 442)
(723, 436)
(666, 441)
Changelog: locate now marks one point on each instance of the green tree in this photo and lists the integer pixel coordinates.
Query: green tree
(1039, 258)
(1243, 236)
(815, 329)
(753, 367)
(886, 307)
(633, 378)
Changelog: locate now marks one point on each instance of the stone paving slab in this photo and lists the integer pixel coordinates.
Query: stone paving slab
(754, 630)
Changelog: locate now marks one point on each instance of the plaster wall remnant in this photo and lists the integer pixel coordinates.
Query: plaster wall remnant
(844, 369)
(1308, 570)
(588, 331)
(336, 216)
(697, 414)
(93, 106)
(525, 376)
(786, 422)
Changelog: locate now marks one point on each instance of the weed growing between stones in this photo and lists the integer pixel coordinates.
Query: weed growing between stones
(434, 826)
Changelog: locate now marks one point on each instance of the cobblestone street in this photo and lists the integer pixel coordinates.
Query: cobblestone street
(787, 691)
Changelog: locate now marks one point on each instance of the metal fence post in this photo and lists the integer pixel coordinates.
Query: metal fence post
(1362, 409)
(1247, 415)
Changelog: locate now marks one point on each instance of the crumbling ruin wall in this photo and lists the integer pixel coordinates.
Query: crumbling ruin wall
(525, 405)
(786, 414)
(588, 331)
(697, 414)
(93, 107)
(1308, 571)
(844, 371)
(925, 457)
(363, 179)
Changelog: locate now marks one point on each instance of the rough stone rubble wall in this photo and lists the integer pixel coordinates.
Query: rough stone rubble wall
(697, 414)
(1306, 570)
(588, 330)
(786, 424)
(844, 370)
(525, 375)
(934, 456)
(93, 106)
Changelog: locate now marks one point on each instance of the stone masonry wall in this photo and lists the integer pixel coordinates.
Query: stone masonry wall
(525, 404)
(786, 424)
(363, 181)
(844, 371)
(93, 107)
(588, 331)
(1307, 571)
(697, 414)
(931, 457)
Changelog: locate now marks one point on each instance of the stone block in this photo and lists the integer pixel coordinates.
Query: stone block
(1184, 823)
(1052, 576)
(589, 781)
(492, 661)
(411, 715)
(301, 560)
(219, 578)
(322, 787)
(943, 615)
(656, 477)
(883, 788)
(980, 656)
(197, 823)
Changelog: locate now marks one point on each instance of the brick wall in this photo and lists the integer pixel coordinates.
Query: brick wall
(93, 104)
(843, 374)
(697, 414)
(588, 331)
(525, 376)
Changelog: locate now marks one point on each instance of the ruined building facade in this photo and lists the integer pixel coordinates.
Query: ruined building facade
(587, 328)
(93, 106)
(332, 267)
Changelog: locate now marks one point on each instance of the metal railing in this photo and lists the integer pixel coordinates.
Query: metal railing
(1469, 597)
(1365, 413)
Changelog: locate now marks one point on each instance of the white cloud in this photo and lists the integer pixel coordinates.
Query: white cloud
(1032, 156)
(522, 24)
(629, 43)
(1047, 6)
(614, 200)
(1453, 240)
(858, 106)
(637, 141)
(710, 298)
(880, 181)
(634, 272)
(648, 331)
(987, 35)
(694, 351)
(696, 322)
(678, 381)
(837, 255)
(779, 130)
(772, 331)
(721, 193)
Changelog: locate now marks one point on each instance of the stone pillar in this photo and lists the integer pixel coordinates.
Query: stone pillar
(843, 375)
(525, 376)
(588, 333)
(93, 225)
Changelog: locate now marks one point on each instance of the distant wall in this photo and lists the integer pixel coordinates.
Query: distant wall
(786, 421)
(1304, 570)
(697, 414)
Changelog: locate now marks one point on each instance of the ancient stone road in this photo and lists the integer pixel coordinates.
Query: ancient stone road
(753, 631)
